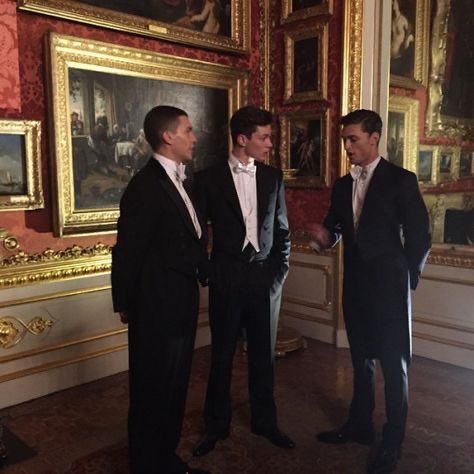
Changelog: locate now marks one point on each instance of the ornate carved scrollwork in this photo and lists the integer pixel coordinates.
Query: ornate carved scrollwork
(14, 330)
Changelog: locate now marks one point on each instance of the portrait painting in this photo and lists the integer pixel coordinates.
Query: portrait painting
(99, 140)
(396, 138)
(301, 9)
(402, 132)
(304, 148)
(425, 165)
(306, 64)
(20, 165)
(458, 83)
(409, 42)
(466, 163)
(208, 23)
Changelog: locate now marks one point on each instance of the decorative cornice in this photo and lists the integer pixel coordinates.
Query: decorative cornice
(51, 265)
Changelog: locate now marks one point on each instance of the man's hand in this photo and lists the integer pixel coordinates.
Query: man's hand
(321, 235)
(124, 317)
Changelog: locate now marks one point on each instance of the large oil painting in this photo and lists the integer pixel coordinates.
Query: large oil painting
(217, 24)
(103, 98)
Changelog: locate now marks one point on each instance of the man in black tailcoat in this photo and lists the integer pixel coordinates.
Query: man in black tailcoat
(378, 210)
(154, 287)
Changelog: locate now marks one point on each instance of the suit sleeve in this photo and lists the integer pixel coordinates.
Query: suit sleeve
(416, 227)
(134, 237)
(280, 252)
(331, 221)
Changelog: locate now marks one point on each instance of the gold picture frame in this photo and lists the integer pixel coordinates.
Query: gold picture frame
(142, 22)
(447, 164)
(402, 132)
(438, 122)
(291, 11)
(304, 148)
(409, 43)
(306, 69)
(100, 93)
(20, 165)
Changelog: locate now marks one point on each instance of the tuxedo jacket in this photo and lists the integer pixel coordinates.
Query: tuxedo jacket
(219, 203)
(156, 236)
(393, 206)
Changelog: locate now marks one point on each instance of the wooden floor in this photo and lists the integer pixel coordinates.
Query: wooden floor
(83, 430)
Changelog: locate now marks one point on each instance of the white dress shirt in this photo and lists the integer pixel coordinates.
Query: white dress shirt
(246, 187)
(361, 176)
(175, 171)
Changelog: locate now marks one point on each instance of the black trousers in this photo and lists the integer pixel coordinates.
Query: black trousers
(161, 345)
(239, 296)
(376, 314)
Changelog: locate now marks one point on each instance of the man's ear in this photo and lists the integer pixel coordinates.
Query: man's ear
(375, 137)
(241, 140)
(167, 137)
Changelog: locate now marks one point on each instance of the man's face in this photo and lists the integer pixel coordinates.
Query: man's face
(182, 139)
(361, 147)
(259, 144)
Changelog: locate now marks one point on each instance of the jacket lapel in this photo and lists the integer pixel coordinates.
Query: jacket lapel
(228, 190)
(173, 193)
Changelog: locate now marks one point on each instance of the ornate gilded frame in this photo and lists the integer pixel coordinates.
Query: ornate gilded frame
(319, 31)
(436, 123)
(293, 176)
(67, 52)
(410, 109)
(30, 130)
(79, 11)
(420, 66)
(455, 153)
(288, 14)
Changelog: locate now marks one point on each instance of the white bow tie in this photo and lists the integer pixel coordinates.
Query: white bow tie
(180, 172)
(249, 168)
(358, 172)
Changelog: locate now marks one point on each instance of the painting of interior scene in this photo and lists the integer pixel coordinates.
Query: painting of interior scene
(108, 142)
(402, 45)
(305, 147)
(12, 165)
(208, 16)
(305, 67)
(395, 138)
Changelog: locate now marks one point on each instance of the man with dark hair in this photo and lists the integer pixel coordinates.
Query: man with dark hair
(368, 208)
(154, 288)
(245, 202)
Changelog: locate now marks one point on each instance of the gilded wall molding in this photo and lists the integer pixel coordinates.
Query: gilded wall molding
(52, 265)
(9, 241)
(451, 258)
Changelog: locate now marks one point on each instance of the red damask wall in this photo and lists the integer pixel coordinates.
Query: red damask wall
(23, 96)
(310, 205)
(22, 37)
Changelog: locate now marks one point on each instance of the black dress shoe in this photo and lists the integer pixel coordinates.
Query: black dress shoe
(191, 470)
(276, 437)
(347, 435)
(386, 460)
(206, 445)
